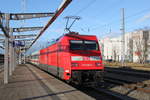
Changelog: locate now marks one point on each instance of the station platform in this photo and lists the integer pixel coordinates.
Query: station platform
(31, 83)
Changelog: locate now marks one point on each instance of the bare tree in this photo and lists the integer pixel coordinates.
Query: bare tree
(130, 50)
(141, 46)
(115, 54)
(138, 52)
(145, 43)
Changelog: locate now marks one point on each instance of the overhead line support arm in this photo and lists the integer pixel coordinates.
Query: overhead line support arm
(24, 29)
(22, 16)
(64, 4)
(5, 29)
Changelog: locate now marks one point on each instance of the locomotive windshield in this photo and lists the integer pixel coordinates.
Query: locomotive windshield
(83, 45)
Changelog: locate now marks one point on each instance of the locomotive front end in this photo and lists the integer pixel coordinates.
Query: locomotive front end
(86, 60)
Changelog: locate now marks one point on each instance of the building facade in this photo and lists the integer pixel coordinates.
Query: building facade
(132, 47)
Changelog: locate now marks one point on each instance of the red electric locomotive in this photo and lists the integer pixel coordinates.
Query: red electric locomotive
(72, 57)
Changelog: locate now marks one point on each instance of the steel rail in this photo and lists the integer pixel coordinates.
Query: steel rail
(114, 95)
(136, 86)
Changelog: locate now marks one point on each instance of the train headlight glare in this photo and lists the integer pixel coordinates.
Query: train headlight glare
(67, 71)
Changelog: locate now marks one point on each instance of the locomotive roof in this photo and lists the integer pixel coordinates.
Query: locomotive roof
(55, 41)
(78, 35)
(81, 37)
(61, 37)
(68, 34)
(73, 36)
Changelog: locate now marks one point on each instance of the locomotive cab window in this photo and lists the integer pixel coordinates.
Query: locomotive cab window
(83, 45)
(76, 45)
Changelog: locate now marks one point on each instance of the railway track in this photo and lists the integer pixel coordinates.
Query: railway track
(100, 93)
(127, 71)
(128, 80)
(141, 86)
(127, 76)
(113, 95)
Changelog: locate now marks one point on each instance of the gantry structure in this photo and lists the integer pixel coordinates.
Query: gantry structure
(16, 45)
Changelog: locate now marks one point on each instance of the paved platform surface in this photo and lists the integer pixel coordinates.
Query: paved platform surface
(1, 68)
(30, 83)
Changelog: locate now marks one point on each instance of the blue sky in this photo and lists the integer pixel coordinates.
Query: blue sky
(97, 16)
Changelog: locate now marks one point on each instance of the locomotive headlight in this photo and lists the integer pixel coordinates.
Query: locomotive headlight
(98, 64)
(67, 71)
(74, 64)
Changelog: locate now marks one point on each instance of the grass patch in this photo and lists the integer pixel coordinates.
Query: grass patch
(126, 64)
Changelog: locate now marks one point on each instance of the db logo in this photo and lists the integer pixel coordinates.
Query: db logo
(86, 58)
